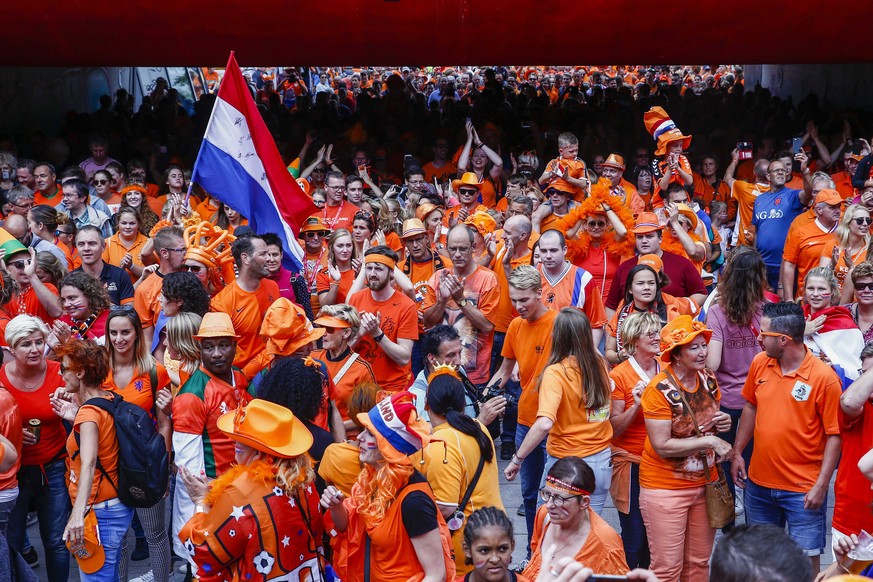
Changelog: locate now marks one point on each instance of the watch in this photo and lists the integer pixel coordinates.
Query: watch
(463, 302)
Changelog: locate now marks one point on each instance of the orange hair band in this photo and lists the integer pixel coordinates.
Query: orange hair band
(381, 259)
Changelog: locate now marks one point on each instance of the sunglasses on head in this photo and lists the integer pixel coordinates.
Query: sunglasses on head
(862, 220)
(363, 214)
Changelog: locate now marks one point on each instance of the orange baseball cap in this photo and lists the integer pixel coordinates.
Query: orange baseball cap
(653, 261)
(482, 222)
(89, 554)
(314, 224)
(828, 196)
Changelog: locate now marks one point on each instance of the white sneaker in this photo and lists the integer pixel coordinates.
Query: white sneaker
(147, 577)
(739, 505)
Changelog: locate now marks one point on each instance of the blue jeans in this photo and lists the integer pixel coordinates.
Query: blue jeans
(807, 527)
(633, 530)
(530, 474)
(730, 437)
(49, 495)
(601, 464)
(113, 523)
(510, 415)
(416, 359)
(773, 276)
(5, 512)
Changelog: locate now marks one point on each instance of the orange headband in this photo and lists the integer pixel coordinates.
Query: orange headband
(565, 487)
(381, 259)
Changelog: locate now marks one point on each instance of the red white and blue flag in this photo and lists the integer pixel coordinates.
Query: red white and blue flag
(239, 165)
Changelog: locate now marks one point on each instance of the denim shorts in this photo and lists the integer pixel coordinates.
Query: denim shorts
(807, 527)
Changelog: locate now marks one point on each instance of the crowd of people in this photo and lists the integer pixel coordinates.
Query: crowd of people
(538, 265)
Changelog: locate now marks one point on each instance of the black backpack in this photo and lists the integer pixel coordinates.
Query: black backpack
(143, 463)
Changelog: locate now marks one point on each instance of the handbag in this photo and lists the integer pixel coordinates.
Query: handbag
(456, 522)
(719, 501)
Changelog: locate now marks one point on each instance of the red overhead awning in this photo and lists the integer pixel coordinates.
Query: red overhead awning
(375, 32)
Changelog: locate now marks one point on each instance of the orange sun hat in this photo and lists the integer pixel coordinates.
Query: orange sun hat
(682, 330)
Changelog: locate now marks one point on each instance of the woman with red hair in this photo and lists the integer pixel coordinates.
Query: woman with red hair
(391, 516)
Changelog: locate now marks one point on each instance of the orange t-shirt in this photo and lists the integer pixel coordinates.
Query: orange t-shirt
(704, 189)
(803, 247)
(10, 427)
(799, 411)
(530, 345)
(341, 216)
(577, 430)
(115, 251)
(634, 437)
(745, 193)
(53, 200)
(140, 390)
(107, 453)
(340, 466)
(448, 171)
(29, 303)
(843, 182)
(37, 405)
(576, 170)
(145, 299)
(602, 551)
(358, 372)
(574, 288)
(246, 311)
(399, 320)
(323, 281)
(504, 312)
(840, 268)
(689, 472)
(482, 290)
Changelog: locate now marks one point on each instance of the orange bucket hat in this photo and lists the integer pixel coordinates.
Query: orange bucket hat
(483, 222)
(286, 328)
(468, 179)
(663, 130)
(267, 427)
(397, 427)
(89, 554)
(679, 332)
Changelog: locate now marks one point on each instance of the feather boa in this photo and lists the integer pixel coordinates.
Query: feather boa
(671, 244)
(260, 470)
(578, 248)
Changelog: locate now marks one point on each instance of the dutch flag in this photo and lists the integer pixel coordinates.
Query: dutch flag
(239, 165)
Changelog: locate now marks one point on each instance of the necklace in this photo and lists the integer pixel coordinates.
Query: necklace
(28, 387)
(573, 537)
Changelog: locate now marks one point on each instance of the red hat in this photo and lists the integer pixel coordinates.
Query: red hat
(662, 128)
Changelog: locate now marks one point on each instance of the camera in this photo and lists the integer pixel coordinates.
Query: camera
(494, 392)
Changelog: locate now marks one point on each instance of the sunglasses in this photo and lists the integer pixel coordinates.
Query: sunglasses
(19, 264)
(863, 286)
(599, 224)
(101, 182)
(59, 232)
(774, 334)
(314, 234)
(468, 191)
(363, 214)
(861, 221)
(195, 268)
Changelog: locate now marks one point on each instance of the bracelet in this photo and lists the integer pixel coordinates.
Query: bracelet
(334, 283)
(516, 460)
(380, 338)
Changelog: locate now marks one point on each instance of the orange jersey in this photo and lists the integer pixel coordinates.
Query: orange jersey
(51, 199)
(29, 303)
(575, 169)
(529, 344)
(107, 455)
(625, 377)
(323, 283)
(341, 216)
(803, 247)
(664, 168)
(442, 174)
(575, 287)
(246, 310)
(843, 181)
(703, 189)
(145, 299)
(840, 268)
(399, 320)
(116, 249)
(10, 427)
(745, 193)
(799, 411)
(139, 390)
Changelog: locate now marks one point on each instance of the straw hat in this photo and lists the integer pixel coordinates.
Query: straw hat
(267, 427)
(468, 179)
(89, 554)
(679, 332)
(286, 328)
(216, 324)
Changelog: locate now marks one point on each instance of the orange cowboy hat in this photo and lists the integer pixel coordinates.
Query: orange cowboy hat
(268, 427)
(215, 324)
(413, 227)
(398, 429)
(286, 328)
(483, 222)
(663, 130)
(614, 161)
(679, 332)
(89, 554)
(468, 179)
(688, 213)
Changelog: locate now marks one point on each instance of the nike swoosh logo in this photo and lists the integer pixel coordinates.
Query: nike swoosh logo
(240, 309)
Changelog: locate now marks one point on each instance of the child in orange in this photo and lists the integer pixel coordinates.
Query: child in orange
(670, 164)
(567, 169)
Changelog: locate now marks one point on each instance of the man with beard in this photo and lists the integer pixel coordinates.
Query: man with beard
(246, 299)
(465, 297)
(389, 321)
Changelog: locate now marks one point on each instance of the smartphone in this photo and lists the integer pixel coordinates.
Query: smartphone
(407, 161)
(604, 577)
(796, 145)
(744, 149)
